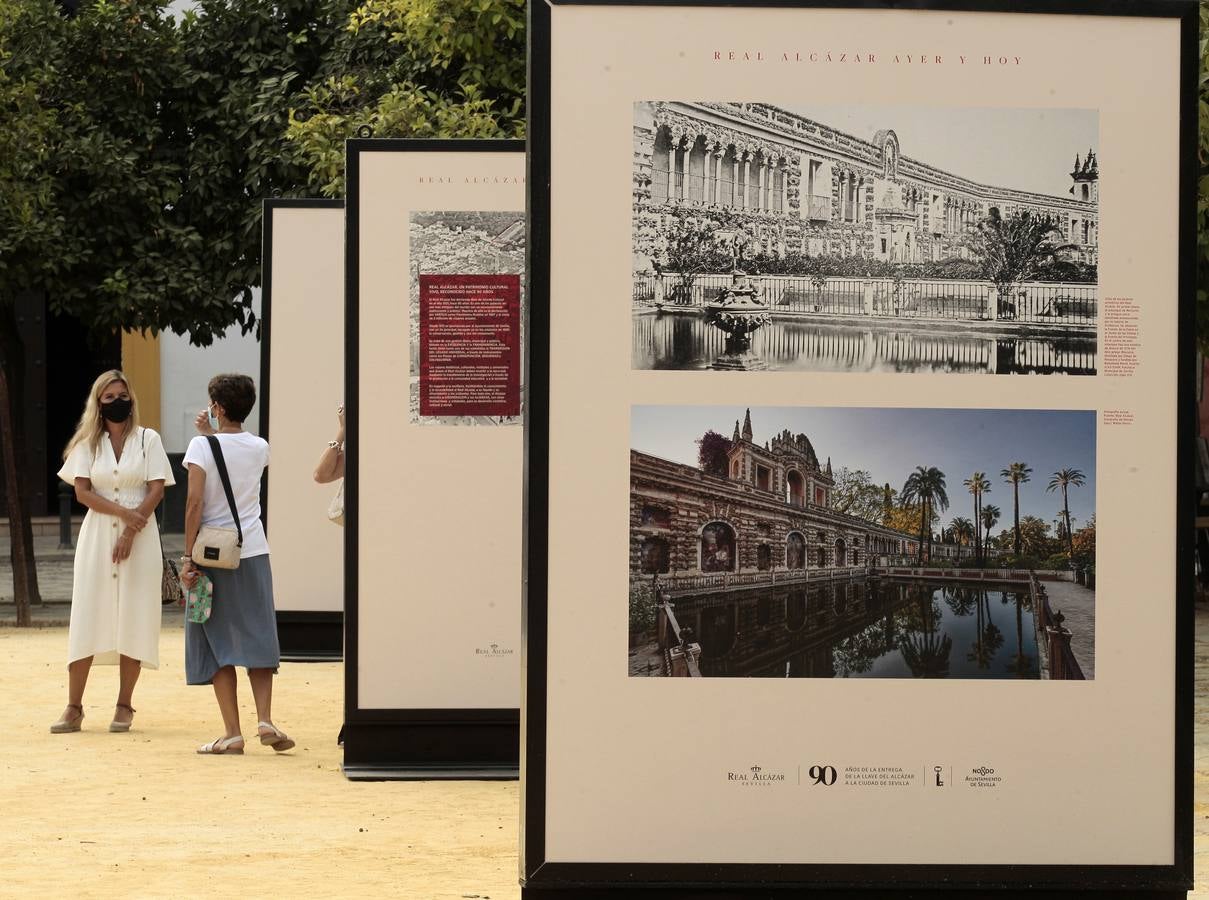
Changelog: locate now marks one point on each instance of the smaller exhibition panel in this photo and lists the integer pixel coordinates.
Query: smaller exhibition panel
(436, 251)
(302, 384)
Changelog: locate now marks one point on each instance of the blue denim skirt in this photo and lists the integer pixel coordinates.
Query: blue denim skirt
(242, 628)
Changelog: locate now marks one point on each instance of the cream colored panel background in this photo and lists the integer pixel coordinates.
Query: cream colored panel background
(637, 767)
(439, 539)
(306, 379)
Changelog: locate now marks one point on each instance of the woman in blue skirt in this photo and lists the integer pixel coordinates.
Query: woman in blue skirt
(242, 628)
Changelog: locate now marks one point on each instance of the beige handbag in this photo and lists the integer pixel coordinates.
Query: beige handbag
(335, 509)
(215, 547)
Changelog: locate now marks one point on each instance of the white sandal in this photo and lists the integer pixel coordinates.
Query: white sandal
(223, 745)
(275, 737)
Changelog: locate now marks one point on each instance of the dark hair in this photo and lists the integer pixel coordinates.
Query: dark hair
(235, 393)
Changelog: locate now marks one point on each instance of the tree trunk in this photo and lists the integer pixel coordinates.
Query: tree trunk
(923, 511)
(977, 534)
(12, 356)
(25, 574)
(1016, 513)
(1070, 538)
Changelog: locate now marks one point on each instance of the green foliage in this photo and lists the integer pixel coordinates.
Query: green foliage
(712, 450)
(93, 222)
(856, 494)
(642, 607)
(413, 68)
(244, 66)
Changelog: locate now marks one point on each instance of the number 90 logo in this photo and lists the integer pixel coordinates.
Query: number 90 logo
(824, 775)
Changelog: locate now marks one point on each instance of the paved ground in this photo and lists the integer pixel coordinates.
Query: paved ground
(1078, 604)
(54, 579)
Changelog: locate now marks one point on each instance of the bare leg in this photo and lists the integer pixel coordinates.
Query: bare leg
(262, 692)
(129, 670)
(225, 690)
(77, 680)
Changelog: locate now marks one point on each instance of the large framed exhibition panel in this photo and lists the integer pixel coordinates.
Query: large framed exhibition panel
(301, 386)
(435, 277)
(858, 451)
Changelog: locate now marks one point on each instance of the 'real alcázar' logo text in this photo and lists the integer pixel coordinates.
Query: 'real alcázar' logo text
(493, 650)
(756, 776)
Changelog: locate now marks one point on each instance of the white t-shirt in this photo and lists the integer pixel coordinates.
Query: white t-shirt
(246, 456)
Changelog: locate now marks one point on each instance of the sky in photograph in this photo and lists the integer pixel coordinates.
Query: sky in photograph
(890, 443)
(1025, 149)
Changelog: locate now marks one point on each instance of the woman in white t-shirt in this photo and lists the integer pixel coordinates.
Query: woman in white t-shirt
(242, 628)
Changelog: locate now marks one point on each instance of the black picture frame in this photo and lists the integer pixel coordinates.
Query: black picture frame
(404, 744)
(304, 636)
(543, 879)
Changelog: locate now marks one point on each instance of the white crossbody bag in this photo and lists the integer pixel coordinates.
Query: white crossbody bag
(215, 547)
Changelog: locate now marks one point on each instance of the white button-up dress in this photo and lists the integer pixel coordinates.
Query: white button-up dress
(115, 607)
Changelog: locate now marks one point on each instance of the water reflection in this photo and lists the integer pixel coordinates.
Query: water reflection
(688, 342)
(874, 628)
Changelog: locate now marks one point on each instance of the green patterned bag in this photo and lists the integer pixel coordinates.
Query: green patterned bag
(199, 599)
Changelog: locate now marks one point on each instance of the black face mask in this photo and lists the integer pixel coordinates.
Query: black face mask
(117, 410)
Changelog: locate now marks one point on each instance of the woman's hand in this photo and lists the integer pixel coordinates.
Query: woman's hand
(135, 520)
(340, 419)
(202, 423)
(189, 573)
(121, 550)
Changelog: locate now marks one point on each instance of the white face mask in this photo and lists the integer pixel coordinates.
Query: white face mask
(213, 418)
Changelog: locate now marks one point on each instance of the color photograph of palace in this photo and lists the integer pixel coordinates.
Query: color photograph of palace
(762, 530)
(834, 231)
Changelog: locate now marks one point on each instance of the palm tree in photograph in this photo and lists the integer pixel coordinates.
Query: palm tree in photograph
(1065, 479)
(926, 486)
(1015, 475)
(977, 485)
(990, 516)
(963, 532)
(1012, 249)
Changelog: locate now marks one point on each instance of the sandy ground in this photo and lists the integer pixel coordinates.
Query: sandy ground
(95, 814)
(101, 815)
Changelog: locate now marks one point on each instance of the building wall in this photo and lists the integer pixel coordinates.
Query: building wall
(795, 185)
(673, 503)
(185, 371)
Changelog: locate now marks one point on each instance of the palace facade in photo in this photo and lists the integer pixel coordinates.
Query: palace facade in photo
(773, 512)
(796, 185)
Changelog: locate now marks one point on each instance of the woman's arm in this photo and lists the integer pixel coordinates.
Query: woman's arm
(331, 463)
(134, 518)
(193, 519)
(125, 541)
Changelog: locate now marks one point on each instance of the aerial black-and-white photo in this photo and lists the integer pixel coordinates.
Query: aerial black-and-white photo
(865, 239)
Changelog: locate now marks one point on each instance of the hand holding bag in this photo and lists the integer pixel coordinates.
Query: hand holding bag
(215, 547)
(199, 600)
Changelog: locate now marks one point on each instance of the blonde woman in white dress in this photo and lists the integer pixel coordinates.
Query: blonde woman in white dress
(119, 471)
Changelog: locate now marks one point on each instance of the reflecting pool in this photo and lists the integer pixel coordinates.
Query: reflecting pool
(678, 341)
(865, 628)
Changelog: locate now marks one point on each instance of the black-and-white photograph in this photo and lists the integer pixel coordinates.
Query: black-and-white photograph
(865, 238)
(458, 242)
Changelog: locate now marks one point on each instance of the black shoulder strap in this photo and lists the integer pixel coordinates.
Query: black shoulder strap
(216, 448)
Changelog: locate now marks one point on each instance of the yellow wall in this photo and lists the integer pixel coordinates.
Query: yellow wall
(141, 363)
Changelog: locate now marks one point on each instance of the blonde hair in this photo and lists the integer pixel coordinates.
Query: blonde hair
(92, 425)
